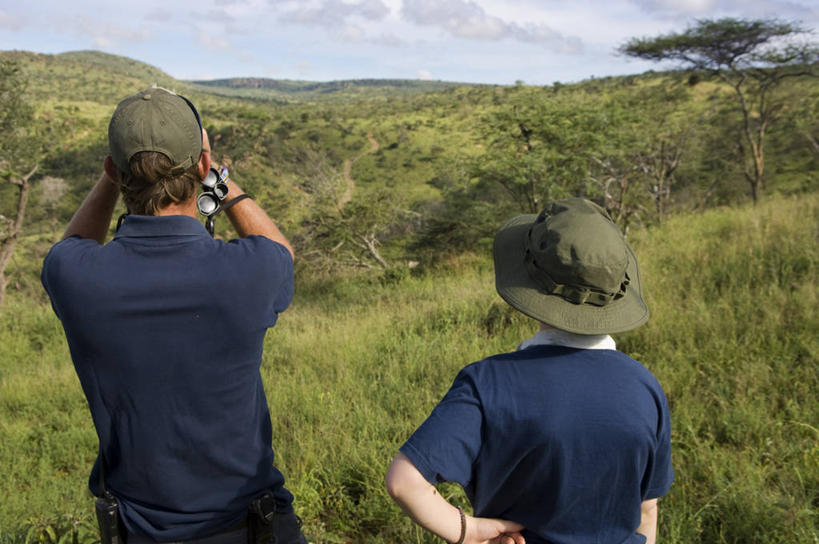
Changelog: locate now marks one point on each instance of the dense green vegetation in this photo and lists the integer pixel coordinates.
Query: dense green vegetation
(356, 364)
(432, 171)
(366, 351)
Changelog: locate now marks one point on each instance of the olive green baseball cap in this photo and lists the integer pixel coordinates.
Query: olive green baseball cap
(570, 267)
(155, 119)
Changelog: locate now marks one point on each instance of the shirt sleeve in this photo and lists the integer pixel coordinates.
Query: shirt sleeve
(54, 266)
(446, 445)
(660, 473)
(272, 271)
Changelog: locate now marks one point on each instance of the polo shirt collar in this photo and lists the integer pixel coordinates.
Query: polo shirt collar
(150, 226)
(557, 337)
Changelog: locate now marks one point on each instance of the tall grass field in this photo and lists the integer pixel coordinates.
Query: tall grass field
(357, 363)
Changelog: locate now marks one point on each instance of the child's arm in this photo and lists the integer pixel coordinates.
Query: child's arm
(648, 520)
(422, 502)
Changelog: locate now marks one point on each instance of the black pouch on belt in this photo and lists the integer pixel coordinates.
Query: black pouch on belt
(260, 520)
(108, 519)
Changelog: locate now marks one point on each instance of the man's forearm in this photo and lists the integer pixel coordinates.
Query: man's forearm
(247, 218)
(93, 217)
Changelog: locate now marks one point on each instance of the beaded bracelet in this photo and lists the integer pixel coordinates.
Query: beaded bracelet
(463, 526)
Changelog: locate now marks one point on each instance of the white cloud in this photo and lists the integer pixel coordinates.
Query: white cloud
(424, 75)
(786, 9)
(351, 33)
(386, 39)
(11, 22)
(679, 6)
(245, 57)
(330, 13)
(220, 15)
(101, 42)
(213, 41)
(467, 19)
(159, 15)
(108, 35)
(304, 68)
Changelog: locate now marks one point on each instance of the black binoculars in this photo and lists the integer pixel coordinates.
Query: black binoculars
(215, 190)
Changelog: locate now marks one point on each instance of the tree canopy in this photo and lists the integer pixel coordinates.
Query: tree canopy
(727, 43)
(752, 56)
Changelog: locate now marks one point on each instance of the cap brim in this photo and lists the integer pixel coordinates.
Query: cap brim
(520, 291)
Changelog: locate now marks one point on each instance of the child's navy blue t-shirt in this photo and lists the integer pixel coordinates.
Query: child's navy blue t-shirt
(568, 442)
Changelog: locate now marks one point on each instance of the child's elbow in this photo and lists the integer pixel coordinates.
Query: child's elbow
(403, 480)
(393, 481)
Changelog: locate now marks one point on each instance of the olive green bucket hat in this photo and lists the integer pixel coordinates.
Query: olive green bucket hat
(155, 119)
(570, 267)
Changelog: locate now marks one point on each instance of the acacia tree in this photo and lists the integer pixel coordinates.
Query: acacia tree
(17, 159)
(539, 147)
(753, 57)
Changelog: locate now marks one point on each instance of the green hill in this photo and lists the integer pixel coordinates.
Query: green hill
(118, 65)
(86, 76)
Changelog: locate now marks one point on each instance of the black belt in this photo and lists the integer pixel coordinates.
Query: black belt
(234, 535)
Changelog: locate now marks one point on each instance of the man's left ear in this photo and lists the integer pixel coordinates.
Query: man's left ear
(203, 167)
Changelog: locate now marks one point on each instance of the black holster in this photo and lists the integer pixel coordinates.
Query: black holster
(108, 519)
(260, 520)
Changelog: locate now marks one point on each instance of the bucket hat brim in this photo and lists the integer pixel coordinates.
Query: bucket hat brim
(522, 292)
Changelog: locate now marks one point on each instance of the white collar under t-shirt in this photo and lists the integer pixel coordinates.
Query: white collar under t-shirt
(557, 337)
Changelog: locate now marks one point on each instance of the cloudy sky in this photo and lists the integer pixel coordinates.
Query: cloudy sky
(483, 41)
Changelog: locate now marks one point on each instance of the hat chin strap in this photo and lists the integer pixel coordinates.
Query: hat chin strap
(576, 294)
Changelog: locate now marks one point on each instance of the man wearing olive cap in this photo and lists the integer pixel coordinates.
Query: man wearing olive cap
(165, 325)
(566, 440)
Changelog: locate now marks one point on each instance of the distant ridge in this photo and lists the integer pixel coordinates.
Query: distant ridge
(290, 86)
(103, 77)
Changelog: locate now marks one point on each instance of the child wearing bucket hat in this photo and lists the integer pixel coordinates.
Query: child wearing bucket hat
(565, 440)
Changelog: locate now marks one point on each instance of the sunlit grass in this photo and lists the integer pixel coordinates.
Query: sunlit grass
(357, 363)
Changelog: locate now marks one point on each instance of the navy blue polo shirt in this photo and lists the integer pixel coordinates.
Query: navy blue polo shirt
(568, 442)
(165, 327)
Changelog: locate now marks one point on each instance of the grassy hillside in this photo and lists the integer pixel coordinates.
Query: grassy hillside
(368, 352)
(351, 372)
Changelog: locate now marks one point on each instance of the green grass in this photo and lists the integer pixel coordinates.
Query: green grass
(357, 363)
